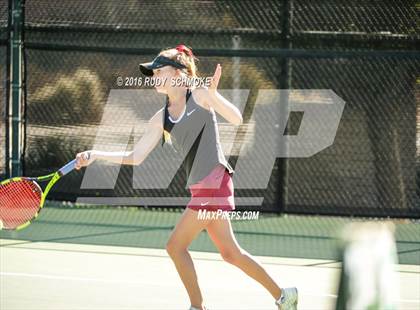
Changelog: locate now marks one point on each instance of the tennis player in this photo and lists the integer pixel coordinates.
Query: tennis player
(188, 123)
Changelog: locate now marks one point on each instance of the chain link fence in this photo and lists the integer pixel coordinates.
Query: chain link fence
(372, 160)
(3, 86)
(362, 50)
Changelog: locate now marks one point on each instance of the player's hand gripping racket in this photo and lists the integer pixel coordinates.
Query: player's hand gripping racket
(21, 198)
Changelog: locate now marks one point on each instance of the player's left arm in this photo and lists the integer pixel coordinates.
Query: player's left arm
(211, 97)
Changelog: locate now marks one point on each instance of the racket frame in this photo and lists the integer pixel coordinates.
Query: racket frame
(53, 177)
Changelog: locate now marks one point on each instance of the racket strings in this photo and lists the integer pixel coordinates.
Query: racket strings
(19, 202)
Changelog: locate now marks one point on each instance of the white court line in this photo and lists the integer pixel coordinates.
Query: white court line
(51, 277)
(44, 276)
(118, 250)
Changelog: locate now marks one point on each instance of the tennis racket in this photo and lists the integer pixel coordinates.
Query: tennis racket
(21, 198)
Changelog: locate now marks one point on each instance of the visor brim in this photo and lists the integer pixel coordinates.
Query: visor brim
(147, 68)
(159, 62)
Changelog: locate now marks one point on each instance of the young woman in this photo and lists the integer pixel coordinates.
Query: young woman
(188, 122)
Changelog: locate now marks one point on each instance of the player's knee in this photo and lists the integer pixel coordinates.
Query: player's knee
(170, 247)
(231, 256)
(173, 247)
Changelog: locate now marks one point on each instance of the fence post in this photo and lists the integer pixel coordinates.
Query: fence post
(285, 83)
(15, 138)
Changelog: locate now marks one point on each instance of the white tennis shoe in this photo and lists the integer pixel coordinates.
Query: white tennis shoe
(288, 299)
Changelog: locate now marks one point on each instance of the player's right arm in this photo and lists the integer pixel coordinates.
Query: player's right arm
(141, 150)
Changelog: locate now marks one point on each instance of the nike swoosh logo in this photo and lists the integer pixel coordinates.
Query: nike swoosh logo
(205, 203)
(189, 113)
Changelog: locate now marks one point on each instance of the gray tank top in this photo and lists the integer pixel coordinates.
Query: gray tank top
(196, 135)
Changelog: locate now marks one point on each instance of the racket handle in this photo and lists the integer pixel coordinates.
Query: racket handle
(67, 168)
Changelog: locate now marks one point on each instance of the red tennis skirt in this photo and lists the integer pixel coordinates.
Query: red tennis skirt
(214, 192)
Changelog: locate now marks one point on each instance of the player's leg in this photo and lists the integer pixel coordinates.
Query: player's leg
(185, 231)
(221, 233)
